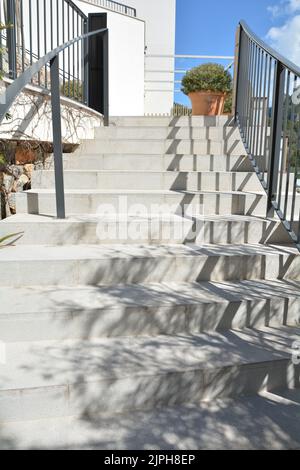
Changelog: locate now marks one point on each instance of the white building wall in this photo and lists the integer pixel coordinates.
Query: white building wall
(160, 18)
(126, 61)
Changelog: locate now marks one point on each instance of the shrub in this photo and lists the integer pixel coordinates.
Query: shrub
(73, 89)
(207, 77)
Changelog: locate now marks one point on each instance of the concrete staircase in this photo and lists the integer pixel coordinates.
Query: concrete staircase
(160, 315)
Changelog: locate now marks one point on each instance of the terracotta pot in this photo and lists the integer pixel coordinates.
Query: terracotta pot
(207, 103)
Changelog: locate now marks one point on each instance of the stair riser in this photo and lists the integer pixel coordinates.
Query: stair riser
(153, 233)
(74, 323)
(148, 181)
(212, 133)
(109, 272)
(144, 393)
(144, 162)
(157, 147)
(166, 121)
(190, 204)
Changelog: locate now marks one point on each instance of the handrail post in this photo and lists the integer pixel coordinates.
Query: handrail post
(11, 38)
(236, 79)
(57, 138)
(106, 77)
(276, 136)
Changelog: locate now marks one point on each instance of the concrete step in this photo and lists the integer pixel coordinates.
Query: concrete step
(162, 146)
(224, 424)
(59, 313)
(132, 264)
(167, 180)
(171, 121)
(76, 378)
(218, 134)
(145, 202)
(153, 230)
(142, 162)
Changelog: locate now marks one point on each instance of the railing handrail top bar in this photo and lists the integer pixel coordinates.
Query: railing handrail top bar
(186, 56)
(272, 52)
(77, 9)
(24, 79)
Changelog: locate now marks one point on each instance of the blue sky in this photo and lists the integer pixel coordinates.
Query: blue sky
(208, 27)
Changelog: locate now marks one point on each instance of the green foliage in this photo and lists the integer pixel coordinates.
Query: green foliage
(9, 237)
(207, 77)
(228, 104)
(73, 89)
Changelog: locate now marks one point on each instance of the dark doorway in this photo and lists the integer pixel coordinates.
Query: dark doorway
(96, 63)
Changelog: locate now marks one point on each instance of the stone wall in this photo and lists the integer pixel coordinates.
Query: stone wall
(26, 138)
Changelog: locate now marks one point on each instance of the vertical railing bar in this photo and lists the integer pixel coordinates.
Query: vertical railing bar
(276, 134)
(63, 40)
(295, 177)
(252, 100)
(78, 68)
(69, 51)
(251, 97)
(267, 141)
(288, 170)
(22, 34)
(247, 70)
(45, 41)
(284, 138)
(264, 109)
(259, 122)
(249, 93)
(30, 34)
(57, 22)
(57, 139)
(256, 110)
(12, 40)
(73, 48)
(51, 25)
(38, 37)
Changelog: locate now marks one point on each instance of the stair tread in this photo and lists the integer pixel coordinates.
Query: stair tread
(94, 218)
(52, 299)
(144, 191)
(33, 365)
(225, 424)
(93, 252)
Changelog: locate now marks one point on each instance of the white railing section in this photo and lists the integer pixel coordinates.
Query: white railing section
(165, 69)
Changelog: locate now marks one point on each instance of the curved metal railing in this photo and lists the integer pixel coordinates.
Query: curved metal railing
(18, 85)
(267, 110)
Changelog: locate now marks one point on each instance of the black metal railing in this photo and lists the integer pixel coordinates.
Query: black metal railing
(268, 115)
(25, 78)
(39, 26)
(115, 6)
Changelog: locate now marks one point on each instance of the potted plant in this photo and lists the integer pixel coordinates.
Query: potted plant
(207, 87)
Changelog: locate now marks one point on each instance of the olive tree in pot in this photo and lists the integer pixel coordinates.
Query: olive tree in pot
(207, 87)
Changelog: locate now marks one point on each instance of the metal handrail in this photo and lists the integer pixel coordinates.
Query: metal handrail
(268, 116)
(272, 52)
(18, 85)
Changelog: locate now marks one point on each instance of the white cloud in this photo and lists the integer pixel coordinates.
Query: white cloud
(286, 38)
(284, 7)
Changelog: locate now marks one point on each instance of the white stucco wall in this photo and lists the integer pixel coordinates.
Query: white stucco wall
(160, 17)
(126, 61)
(31, 118)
